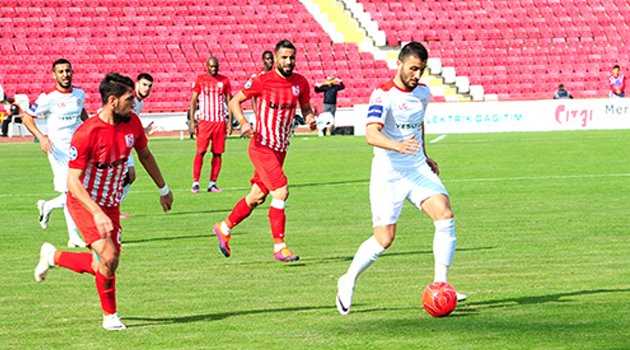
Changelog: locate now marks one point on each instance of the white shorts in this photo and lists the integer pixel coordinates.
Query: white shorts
(58, 159)
(390, 187)
(130, 161)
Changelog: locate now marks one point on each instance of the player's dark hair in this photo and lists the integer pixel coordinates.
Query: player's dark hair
(413, 48)
(284, 44)
(114, 84)
(616, 66)
(60, 61)
(145, 76)
(267, 52)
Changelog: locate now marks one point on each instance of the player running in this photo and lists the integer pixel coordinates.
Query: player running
(64, 111)
(98, 163)
(401, 170)
(143, 87)
(278, 93)
(211, 91)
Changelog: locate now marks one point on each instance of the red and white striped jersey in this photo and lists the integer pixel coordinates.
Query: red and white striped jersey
(101, 150)
(212, 99)
(277, 99)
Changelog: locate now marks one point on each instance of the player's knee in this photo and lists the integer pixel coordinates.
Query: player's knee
(131, 175)
(445, 214)
(201, 153)
(109, 262)
(385, 241)
(281, 193)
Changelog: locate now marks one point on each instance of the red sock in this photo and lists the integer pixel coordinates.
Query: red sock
(216, 167)
(197, 164)
(239, 213)
(277, 220)
(77, 262)
(106, 288)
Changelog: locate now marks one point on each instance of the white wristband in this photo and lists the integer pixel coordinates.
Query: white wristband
(164, 190)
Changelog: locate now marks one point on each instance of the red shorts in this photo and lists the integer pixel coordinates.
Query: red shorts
(85, 223)
(214, 132)
(268, 172)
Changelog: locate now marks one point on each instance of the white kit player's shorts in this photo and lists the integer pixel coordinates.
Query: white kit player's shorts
(390, 187)
(130, 161)
(59, 159)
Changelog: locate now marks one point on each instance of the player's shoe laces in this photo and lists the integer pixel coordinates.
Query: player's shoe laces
(285, 255)
(46, 261)
(76, 243)
(461, 296)
(224, 240)
(195, 188)
(215, 189)
(345, 289)
(43, 217)
(113, 323)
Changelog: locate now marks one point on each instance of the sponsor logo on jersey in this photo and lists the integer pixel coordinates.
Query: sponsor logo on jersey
(248, 84)
(408, 125)
(296, 90)
(73, 153)
(282, 105)
(129, 140)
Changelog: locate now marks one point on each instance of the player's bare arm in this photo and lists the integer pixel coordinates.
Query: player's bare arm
(191, 112)
(237, 112)
(150, 165)
(433, 164)
(375, 137)
(228, 97)
(29, 121)
(309, 115)
(75, 187)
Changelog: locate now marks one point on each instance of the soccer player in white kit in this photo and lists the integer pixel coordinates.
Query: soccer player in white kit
(63, 109)
(144, 84)
(401, 170)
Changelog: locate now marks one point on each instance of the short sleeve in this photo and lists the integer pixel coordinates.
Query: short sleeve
(197, 85)
(41, 107)
(141, 140)
(253, 87)
(228, 87)
(80, 149)
(378, 107)
(305, 92)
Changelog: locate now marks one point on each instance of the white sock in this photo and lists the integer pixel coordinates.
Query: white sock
(444, 242)
(278, 203)
(225, 229)
(57, 202)
(73, 232)
(365, 256)
(279, 246)
(125, 192)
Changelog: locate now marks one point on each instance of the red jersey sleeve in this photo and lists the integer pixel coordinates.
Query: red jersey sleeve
(252, 87)
(305, 92)
(138, 130)
(228, 87)
(197, 85)
(80, 149)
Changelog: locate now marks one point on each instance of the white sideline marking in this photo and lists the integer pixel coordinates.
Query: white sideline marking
(438, 139)
(479, 179)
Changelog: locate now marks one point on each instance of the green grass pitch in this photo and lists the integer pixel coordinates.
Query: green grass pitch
(543, 225)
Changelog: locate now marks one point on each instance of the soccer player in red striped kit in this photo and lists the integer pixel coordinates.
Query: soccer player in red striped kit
(98, 165)
(211, 92)
(278, 94)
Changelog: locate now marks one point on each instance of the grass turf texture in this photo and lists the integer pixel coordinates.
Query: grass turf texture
(542, 249)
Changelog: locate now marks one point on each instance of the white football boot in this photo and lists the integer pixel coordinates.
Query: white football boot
(461, 296)
(113, 323)
(46, 261)
(345, 289)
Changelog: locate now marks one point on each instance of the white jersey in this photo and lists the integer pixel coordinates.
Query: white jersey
(62, 112)
(401, 113)
(138, 106)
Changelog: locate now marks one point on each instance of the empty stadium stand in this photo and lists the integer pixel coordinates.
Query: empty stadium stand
(171, 40)
(519, 49)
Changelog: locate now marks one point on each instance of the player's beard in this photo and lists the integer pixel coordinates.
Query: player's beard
(65, 85)
(119, 118)
(286, 71)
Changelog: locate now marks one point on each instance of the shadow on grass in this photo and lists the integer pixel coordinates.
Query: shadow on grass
(155, 321)
(311, 184)
(182, 213)
(541, 299)
(174, 238)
